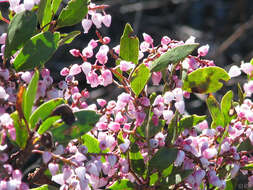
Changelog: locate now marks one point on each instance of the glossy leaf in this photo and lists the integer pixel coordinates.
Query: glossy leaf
(129, 45)
(21, 28)
(177, 175)
(21, 131)
(247, 167)
(245, 146)
(73, 13)
(153, 178)
(43, 187)
(215, 111)
(139, 79)
(153, 129)
(30, 95)
(68, 38)
(205, 80)
(163, 158)
(226, 105)
(172, 56)
(37, 51)
(91, 143)
(85, 121)
(171, 131)
(136, 160)
(122, 184)
(47, 124)
(44, 110)
(45, 14)
(188, 122)
(55, 5)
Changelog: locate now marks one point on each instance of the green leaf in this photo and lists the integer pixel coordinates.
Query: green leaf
(215, 111)
(129, 45)
(21, 131)
(177, 175)
(68, 38)
(226, 105)
(229, 185)
(205, 80)
(21, 28)
(153, 129)
(122, 184)
(43, 187)
(174, 55)
(163, 158)
(85, 121)
(73, 13)
(172, 127)
(245, 146)
(55, 5)
(153, 178)
(91, 143)
(136, 160)
(47, 124)
(188, 122)
(44, 110)
(30, 95)
(45, 14)
(241, 95)
(139, 79)
(37, 51)
(247, 167)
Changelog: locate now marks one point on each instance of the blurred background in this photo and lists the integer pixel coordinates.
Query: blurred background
(226, 25)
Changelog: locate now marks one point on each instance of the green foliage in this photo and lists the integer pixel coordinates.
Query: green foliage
(188, 122)
(21, 28)
(226, 105)
(47, 124)
(43, 187)
(248, 167)
(30, 95)
(55, 5)
(173, 56)
(122, 184)
(136, 159)
(129, 45)
(73, 13)
(153, 129)
(37, 51)
(68, 38)
(45, 14)
(91, 143)
(21, 131)
(44, 111)
(85, 121)
(205, 80)
(245, 146)
(215, 111)
(139, 79)
(163, 158)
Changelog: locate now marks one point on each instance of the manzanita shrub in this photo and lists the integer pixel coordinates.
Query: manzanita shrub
(140, 140)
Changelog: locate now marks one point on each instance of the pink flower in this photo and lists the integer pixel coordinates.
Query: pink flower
(74, 52)
(114, 126)
(234, 71)
(46, 157)
(250, 183)
(209, 153)
(126, 65)
(180, 106)
(3, 38)
(28, 4)
(203, 50)
(144, 46)
(86, 67)
(86, 23)
(97, 19)
(101, 102)
(106, 77)
(26, 76)
(124, 146)
(106, 40)
(64, 71)
(168, 115)
(153, 143)
(165, 40)
(88, 52)
(156, 77)
(180, 158)
(93, 44)
(107, 19)
(75, 69)
(53, 168)
(247, 68)
(147, 38)
(92, 79)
